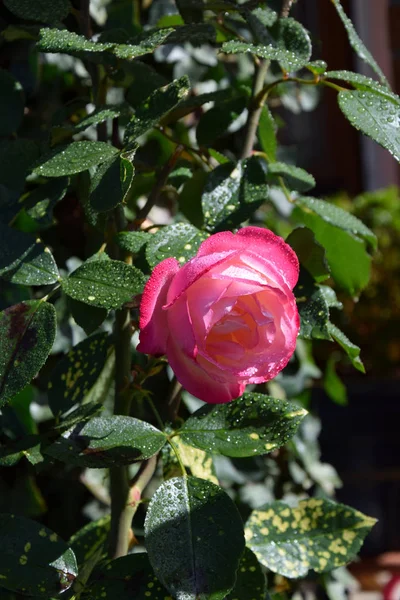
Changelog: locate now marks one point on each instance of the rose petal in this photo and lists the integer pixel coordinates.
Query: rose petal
(153, 320)
(260, 241)
(196, 381)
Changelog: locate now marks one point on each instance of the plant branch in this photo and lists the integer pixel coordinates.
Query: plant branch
(286, 6)
(254, 109)
(160, 183)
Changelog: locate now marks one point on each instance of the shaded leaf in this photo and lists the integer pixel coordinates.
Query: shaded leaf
(16, 158)
(39, 10)
(77, 372)
(313, 309)
(333, 385)
(215, 122)
(24, 260)
(310, 253)
(318, 67)
(254, 424)
(88, 317)
(105, 284)
(196, 34)
(88, 540)
(295, 178)
(73, 158)
(250, 579)
(160, 102)
(318, 534)
(79, 415)
(39, 203)
(125, 578)
(12, 102)
(377, 117)
(189, 200)
(180, 240)
(352, 351)
(357, 44)
(27, 332)
(107, 441)
(111, 182)
(201, 523)
(232, 193)
(34, 561)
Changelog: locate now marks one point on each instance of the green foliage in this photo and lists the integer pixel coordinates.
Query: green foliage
(108, 165)
(27, 333)
(202, 524)
(318, 534)
(104, 283)
(254, 424)
(375, 116)
(34, 560)
(106, 441)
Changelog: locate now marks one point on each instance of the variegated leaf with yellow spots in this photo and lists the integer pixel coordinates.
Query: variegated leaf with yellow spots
(252, 425)
(77, 372)
(199, 462)
(318, 534)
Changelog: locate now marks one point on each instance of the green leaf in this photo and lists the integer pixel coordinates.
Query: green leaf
(132, 241)
(39, 10)
(318, 534)
(180, 240)
(377, 117)
(108, 441)
(352, 351)
(313, 309)
(338, 217)
(310, 253)
(24, 260)
(34, 560)
(353, 275)
(12, 103)
(99, 115)
(79, 415)
(194, 538)
(16, 158)
(254, 424)
(160, 102)
(27, 332)
(250, 580)
(333, 385)
(260, 20)
(90, 539)
(77, 372)
(111, 182)
(361, 82)
(191, 10)
(73, 158)
(57, 40)
(126, 578)
(295, 178)
(357, 44)
(105, 284)
(88, 317)
(267, 133)
(232, 193)
(215, 122)
(318, 67)
(197, 34)
(290, 45)
(145, 80)
(39, 203)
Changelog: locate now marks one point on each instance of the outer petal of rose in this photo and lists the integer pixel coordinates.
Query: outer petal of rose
(181, 328)
(192, 271)
(196, 381)
(153, 319)
(259, 241)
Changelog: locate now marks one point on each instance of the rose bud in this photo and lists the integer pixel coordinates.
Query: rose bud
(226, 318)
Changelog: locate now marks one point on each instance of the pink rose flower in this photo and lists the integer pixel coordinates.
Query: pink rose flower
(226, 318)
